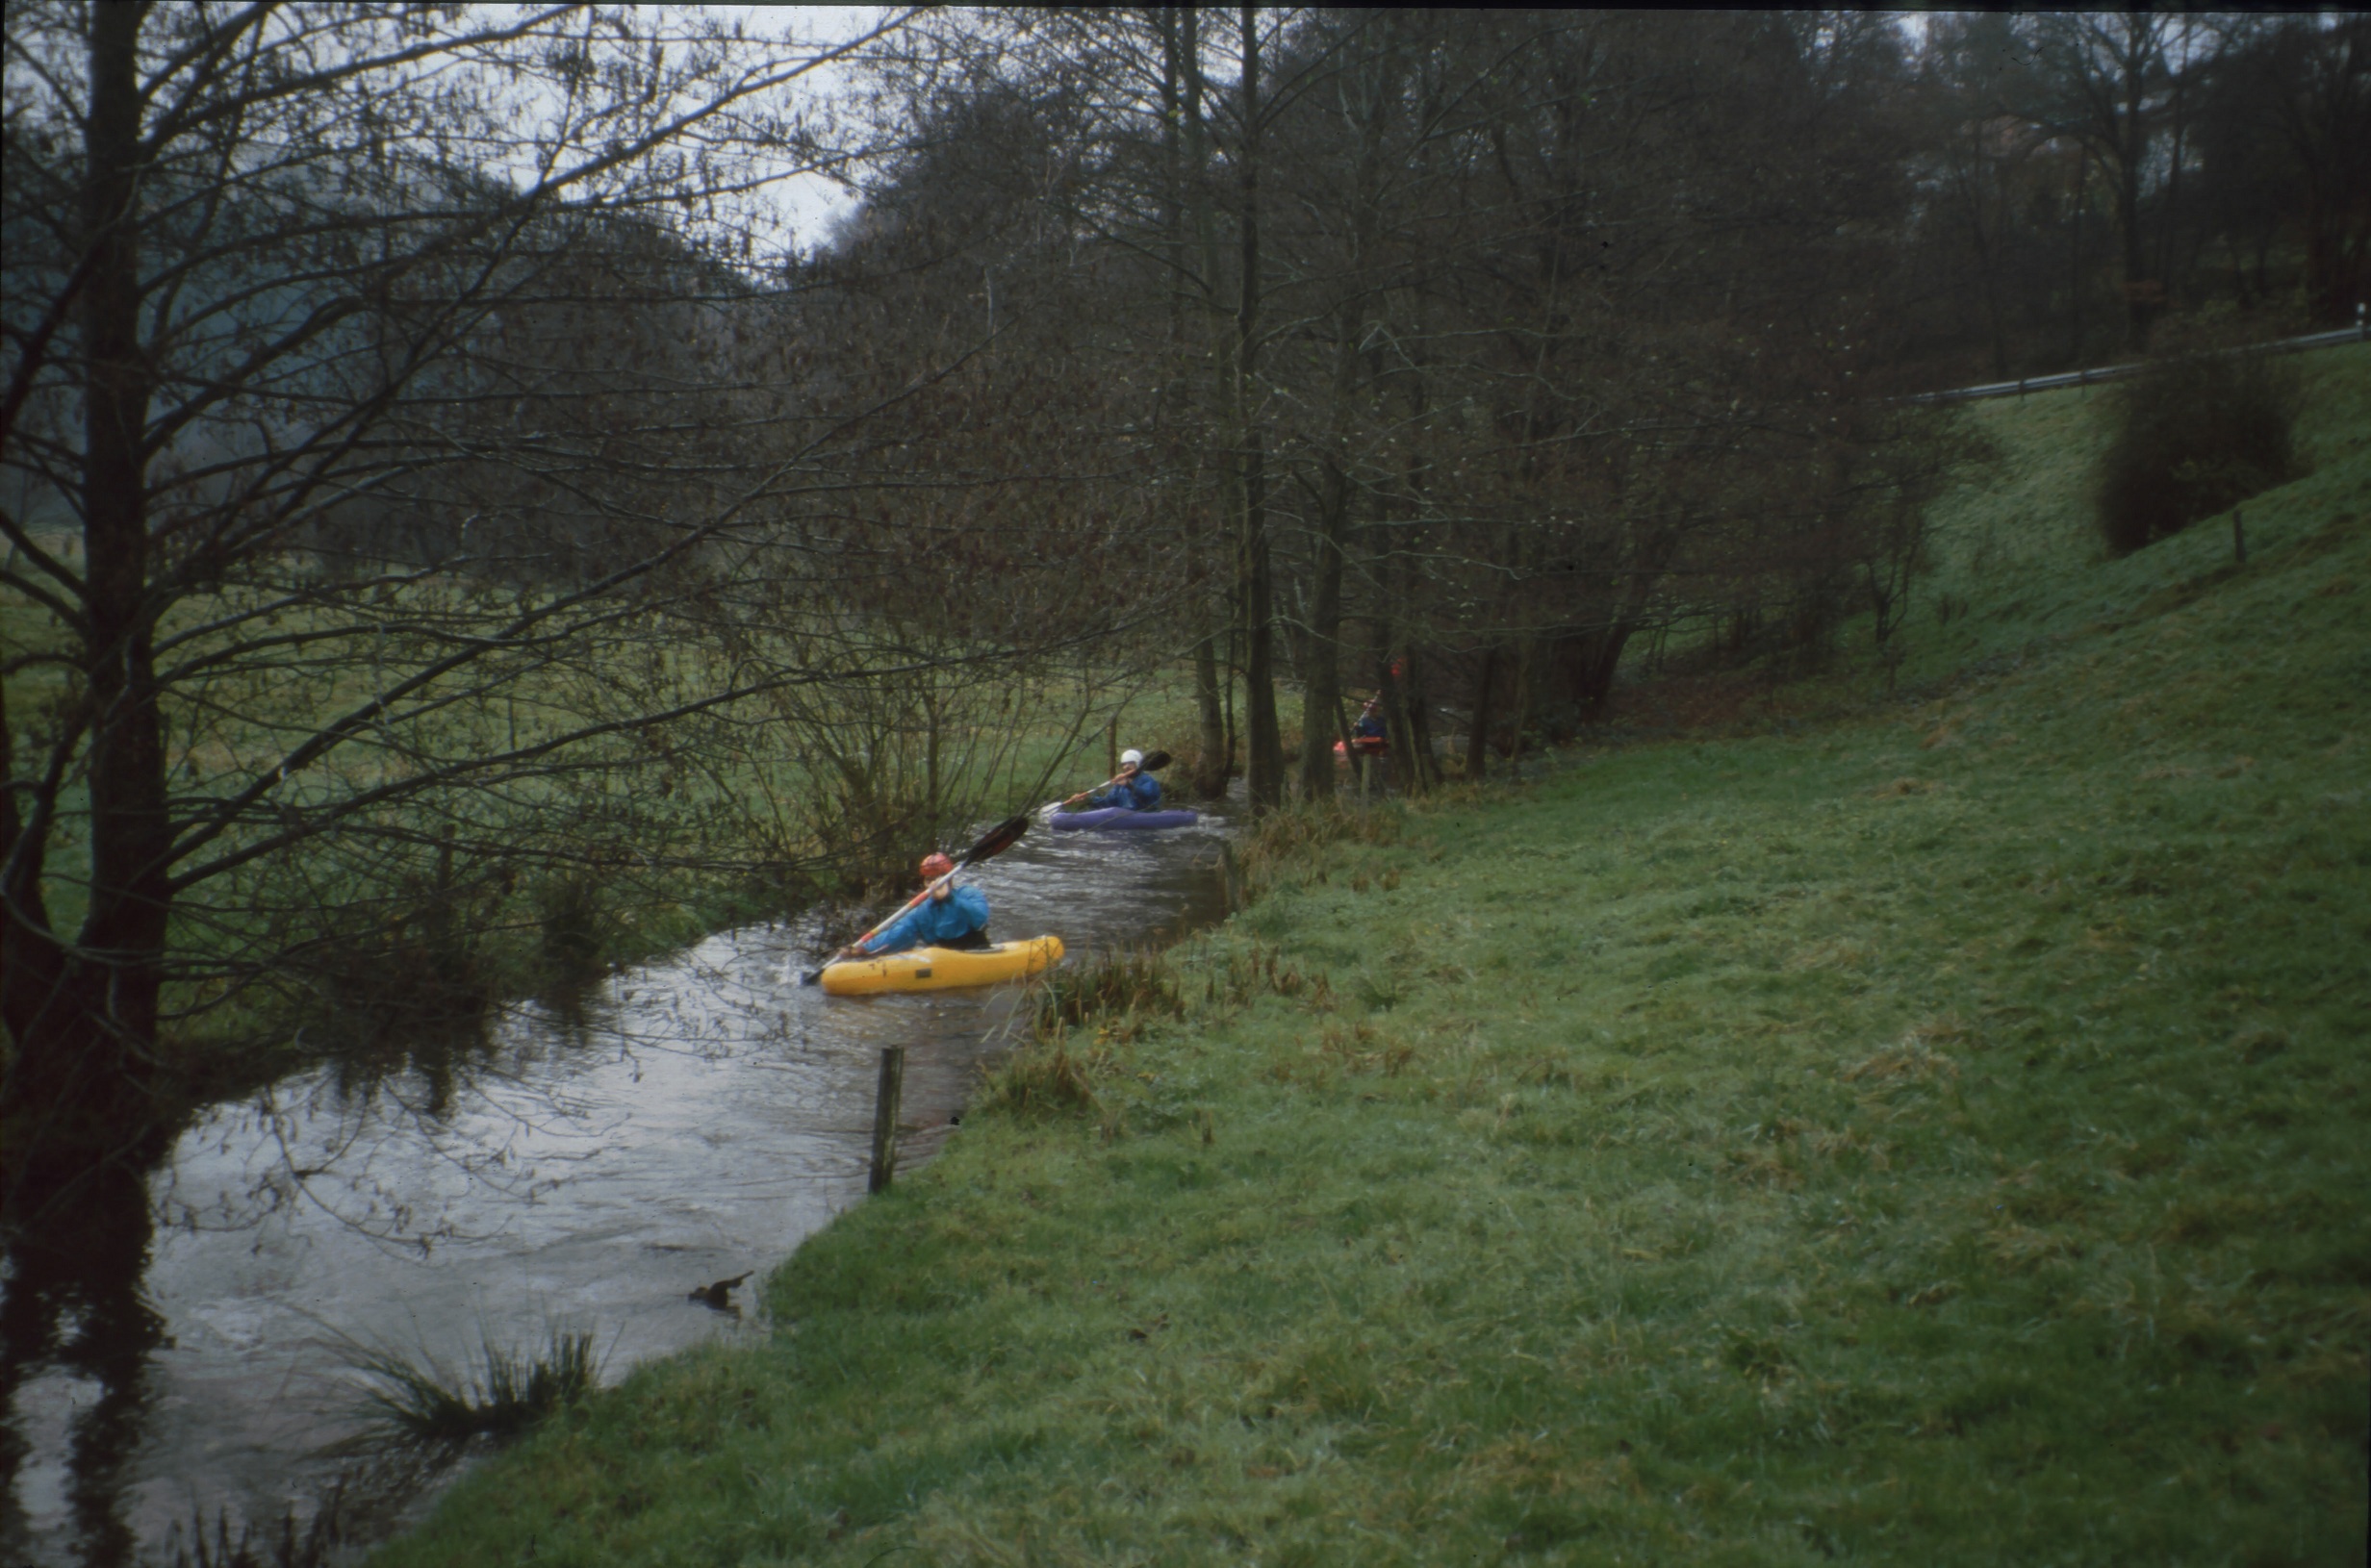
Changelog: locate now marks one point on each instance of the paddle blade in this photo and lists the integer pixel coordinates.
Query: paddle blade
(1154, 762)
(998, 838)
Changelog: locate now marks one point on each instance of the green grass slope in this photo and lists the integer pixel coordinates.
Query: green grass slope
(1936, 1139)
(2017, 557)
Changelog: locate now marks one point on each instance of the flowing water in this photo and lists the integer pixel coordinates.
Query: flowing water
(695, 1119)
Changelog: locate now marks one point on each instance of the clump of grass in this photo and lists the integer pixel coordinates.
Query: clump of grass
(1118, 995)
(1233, 975)
(1361, 1047)
(1119, 992)
(1045, 1077)
(1291, 843)
(501, 1396)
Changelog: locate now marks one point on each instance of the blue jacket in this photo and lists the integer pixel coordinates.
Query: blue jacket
(1139, 792)
(965, 911)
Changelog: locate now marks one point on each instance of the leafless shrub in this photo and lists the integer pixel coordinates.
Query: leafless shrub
(2195, 435)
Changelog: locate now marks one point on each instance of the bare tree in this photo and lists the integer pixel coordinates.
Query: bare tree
(2285, 123)
(1494, 337)
(270, 270)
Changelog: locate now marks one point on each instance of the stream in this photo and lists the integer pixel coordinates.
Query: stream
(699, 1117)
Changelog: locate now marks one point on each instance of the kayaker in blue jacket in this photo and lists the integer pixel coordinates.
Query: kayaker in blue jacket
(1138, 790)
(952, 917)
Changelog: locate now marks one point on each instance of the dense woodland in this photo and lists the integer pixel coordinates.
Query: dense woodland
(442, 496)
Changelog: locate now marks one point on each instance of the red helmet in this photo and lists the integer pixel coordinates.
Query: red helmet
(934, 867)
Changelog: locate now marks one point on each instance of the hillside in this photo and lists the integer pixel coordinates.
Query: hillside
(1929, 1138)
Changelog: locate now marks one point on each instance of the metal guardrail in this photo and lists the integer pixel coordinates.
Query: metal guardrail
(2360, 332)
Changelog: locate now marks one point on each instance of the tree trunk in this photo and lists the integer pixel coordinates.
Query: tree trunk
(1323, 715)
(1264, 747)
(1264, 759)
(2169, 227)
(1181, 103)
(1402, 734)
(1987, 263)
(1590, 662)
(1523, 708)
(2132, 152)
(87, 1074)
(2137, 311)
(1215, 688)
(1217, 760)
(1419, 699)
(2074, 266)
(1230, 679)
(1321, 672)
(1478, 723)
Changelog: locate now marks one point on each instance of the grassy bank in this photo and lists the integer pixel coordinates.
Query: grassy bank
(1928, 1138)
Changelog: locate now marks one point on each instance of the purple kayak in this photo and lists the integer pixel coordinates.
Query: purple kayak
(1121, 817)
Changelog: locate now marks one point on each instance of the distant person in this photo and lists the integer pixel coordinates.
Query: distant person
(951, 917)
(1134, 790)
(1369, 726)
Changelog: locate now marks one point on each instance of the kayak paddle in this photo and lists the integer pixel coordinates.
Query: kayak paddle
(1154, 762)
(998, 838)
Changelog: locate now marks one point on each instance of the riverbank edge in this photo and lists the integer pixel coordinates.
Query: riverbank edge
(1299, 1273)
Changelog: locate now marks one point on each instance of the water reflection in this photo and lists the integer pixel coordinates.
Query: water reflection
(73, 1318)
(176, 1345)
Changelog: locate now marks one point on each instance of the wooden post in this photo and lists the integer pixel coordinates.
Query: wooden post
(886, 1117)
(2240, 535)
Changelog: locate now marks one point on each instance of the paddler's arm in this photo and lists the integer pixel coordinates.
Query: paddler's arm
(891, 938)
(1124, 782)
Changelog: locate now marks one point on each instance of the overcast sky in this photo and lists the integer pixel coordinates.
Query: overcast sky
(810, 203)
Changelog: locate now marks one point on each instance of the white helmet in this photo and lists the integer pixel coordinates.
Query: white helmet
(1130, 758)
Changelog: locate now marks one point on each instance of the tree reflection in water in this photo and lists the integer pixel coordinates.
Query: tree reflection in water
(73, 1303)
(77, 1247)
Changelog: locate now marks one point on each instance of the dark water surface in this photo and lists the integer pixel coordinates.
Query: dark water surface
(699, 1118)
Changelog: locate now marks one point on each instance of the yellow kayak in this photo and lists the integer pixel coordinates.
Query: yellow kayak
(937, 968)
